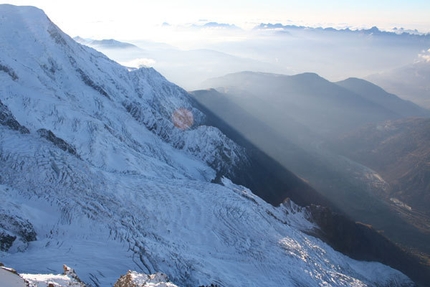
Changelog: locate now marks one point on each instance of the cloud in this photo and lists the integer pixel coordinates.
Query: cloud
(425, 56)
(139, 63)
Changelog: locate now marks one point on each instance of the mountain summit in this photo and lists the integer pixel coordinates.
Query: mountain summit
(106, 170)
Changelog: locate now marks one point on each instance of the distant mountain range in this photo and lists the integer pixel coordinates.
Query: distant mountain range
(200, 64)
(411, 82)
(105, 43)
(379, 96)
(313, 101)
(375, 31)
(216, 25)
(298, 119)
(332, 53)
(112, 169)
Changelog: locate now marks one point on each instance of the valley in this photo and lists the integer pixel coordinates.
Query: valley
(302, 144)
(269, 172)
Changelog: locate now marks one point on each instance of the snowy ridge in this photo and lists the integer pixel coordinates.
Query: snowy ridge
(58, 94)
(136, 194)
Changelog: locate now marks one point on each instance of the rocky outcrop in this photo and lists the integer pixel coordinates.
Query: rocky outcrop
(7, 119)
(58, 142)
(87, 80)
(191, 135)
(9, 71)
(133, 199)
(70, 272)
(68, 278)
(13, 228)
(6, 241)
(134, 279)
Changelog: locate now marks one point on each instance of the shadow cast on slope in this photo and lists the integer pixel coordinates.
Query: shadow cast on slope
(265, 176)
(271, 181)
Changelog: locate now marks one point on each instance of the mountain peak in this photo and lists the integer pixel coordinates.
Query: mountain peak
(24, 29)
(381, 97)
(101, 161)
(105, 43)
(29, 11)
(22, 17)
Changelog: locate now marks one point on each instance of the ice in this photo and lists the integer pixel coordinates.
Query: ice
(138, 193)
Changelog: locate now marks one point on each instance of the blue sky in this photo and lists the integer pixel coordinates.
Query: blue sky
(94, 18)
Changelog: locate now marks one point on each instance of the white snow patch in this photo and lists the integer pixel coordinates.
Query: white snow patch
(137, 196)
(10, 279)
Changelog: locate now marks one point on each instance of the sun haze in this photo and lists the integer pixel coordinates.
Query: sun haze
(129, 19)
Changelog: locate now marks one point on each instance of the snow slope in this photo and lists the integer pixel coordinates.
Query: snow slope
(10, 279)
(93, 164)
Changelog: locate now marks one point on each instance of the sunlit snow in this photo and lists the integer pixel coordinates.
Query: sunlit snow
(137, 196)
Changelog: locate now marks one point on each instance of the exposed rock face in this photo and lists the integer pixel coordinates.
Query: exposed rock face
(11, 278)
(60, 143)
(15, 227)
(6, 241)
(9, 71)
(7, 119)
(70, 272)
(136, 199)
(134, 279)
(202, 141)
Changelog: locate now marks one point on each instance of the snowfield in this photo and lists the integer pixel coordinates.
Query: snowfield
(9, 279)
(91, 162)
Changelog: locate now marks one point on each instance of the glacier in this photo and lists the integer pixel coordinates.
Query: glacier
(92, 165)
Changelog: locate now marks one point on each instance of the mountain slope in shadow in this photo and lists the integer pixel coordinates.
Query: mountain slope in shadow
(324, 107)
(410, 82)
(357, 240)
(400, 153)
(331, 175)
(264, 175)
(296, 119)
(379, 96)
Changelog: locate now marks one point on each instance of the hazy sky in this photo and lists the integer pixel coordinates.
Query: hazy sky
(128, 19)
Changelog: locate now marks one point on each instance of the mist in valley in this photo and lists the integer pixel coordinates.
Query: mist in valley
(332, 117)
(300, 120)
(189, 55)
(295, 92)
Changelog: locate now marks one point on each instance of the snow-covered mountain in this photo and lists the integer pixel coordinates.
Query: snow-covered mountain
(106, 170)
(11, 278)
